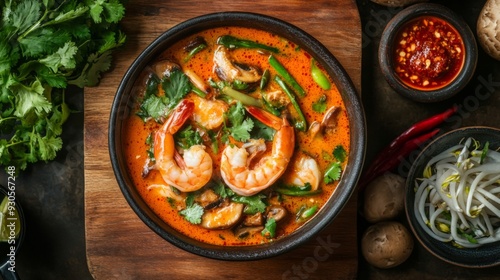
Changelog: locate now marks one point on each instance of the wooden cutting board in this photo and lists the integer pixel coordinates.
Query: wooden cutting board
(119, 245)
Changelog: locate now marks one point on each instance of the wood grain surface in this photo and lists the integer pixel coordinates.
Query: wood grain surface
(119, 245)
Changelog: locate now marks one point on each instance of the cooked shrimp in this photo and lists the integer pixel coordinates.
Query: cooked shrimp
(305, 170)
(194, 169)
(244, 180)
(208, 113)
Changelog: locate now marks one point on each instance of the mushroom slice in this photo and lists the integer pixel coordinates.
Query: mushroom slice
(164, 68)
(225, 216)
(276, 212)
(329, 122)
(314, 129)
(253, 220)
(208, 199)
(244, 232)
(197, 81)
(230, 71)
(194, 43)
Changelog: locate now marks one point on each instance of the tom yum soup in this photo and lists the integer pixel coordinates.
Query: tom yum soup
(429, 53)
(238, 136)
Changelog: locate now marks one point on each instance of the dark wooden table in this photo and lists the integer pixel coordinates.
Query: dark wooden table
(53, 194)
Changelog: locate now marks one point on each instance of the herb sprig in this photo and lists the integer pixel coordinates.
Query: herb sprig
(45, 46)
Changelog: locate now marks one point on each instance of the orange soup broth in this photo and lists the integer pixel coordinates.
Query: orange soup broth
(297, 63)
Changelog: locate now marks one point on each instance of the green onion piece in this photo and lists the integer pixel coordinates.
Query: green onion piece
(319, 77)
(265, 79)
(308, 213)
(286, 75)
(243, 98)
(198, 91)
(270, 107)
(269, 230)
(302, 123)
(232, 42)
(194, 51)
(296, 191)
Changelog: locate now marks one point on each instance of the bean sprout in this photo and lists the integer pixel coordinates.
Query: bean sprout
(458, 198)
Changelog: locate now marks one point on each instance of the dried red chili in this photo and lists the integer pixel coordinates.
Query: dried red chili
(429, 53)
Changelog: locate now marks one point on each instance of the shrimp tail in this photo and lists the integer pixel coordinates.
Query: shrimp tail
(265, 117)
(178, 116)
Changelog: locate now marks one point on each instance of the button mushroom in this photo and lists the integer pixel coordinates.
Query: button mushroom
(488, 28)
(225, 216)
(386, 244)
(384, 198)
(230, 71)
(276, 212)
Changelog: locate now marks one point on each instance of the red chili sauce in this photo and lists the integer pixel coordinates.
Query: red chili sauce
(429, 53)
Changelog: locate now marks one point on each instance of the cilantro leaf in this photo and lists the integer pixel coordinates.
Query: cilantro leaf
(332, 173)
(43, 41)
(242, 132)
(91, 73)
(25, 14)
(31, 99)
(176, 86)
(222, 191)
(262, 131)
(339, 153)
(240, 125)
(254, 204)
(320, 105)
(153, 106)
(188, 137)
(193, 213)
(63, 57)
(68, 15)
(114, 12)
(47, 146)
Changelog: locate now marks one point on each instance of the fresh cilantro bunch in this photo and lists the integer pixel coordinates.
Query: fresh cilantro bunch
(45, 46)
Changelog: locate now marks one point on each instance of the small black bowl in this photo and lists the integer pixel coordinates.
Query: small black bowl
(123, 101)
(387, 53)
(10, 248)
(485, 256)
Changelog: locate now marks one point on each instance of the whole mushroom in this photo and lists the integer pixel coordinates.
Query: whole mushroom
(397, 3)
(488, 28)
(386, 244)
(384, 198)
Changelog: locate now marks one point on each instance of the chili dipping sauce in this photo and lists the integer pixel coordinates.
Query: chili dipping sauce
(429, 53)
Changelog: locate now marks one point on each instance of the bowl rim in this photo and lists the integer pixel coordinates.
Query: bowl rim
(442, 250)
(386, 47)
(121, 105)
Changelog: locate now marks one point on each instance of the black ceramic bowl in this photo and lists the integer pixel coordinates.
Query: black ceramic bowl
(426, 94)
(124, 98)
(484, 256)
(10, 248)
